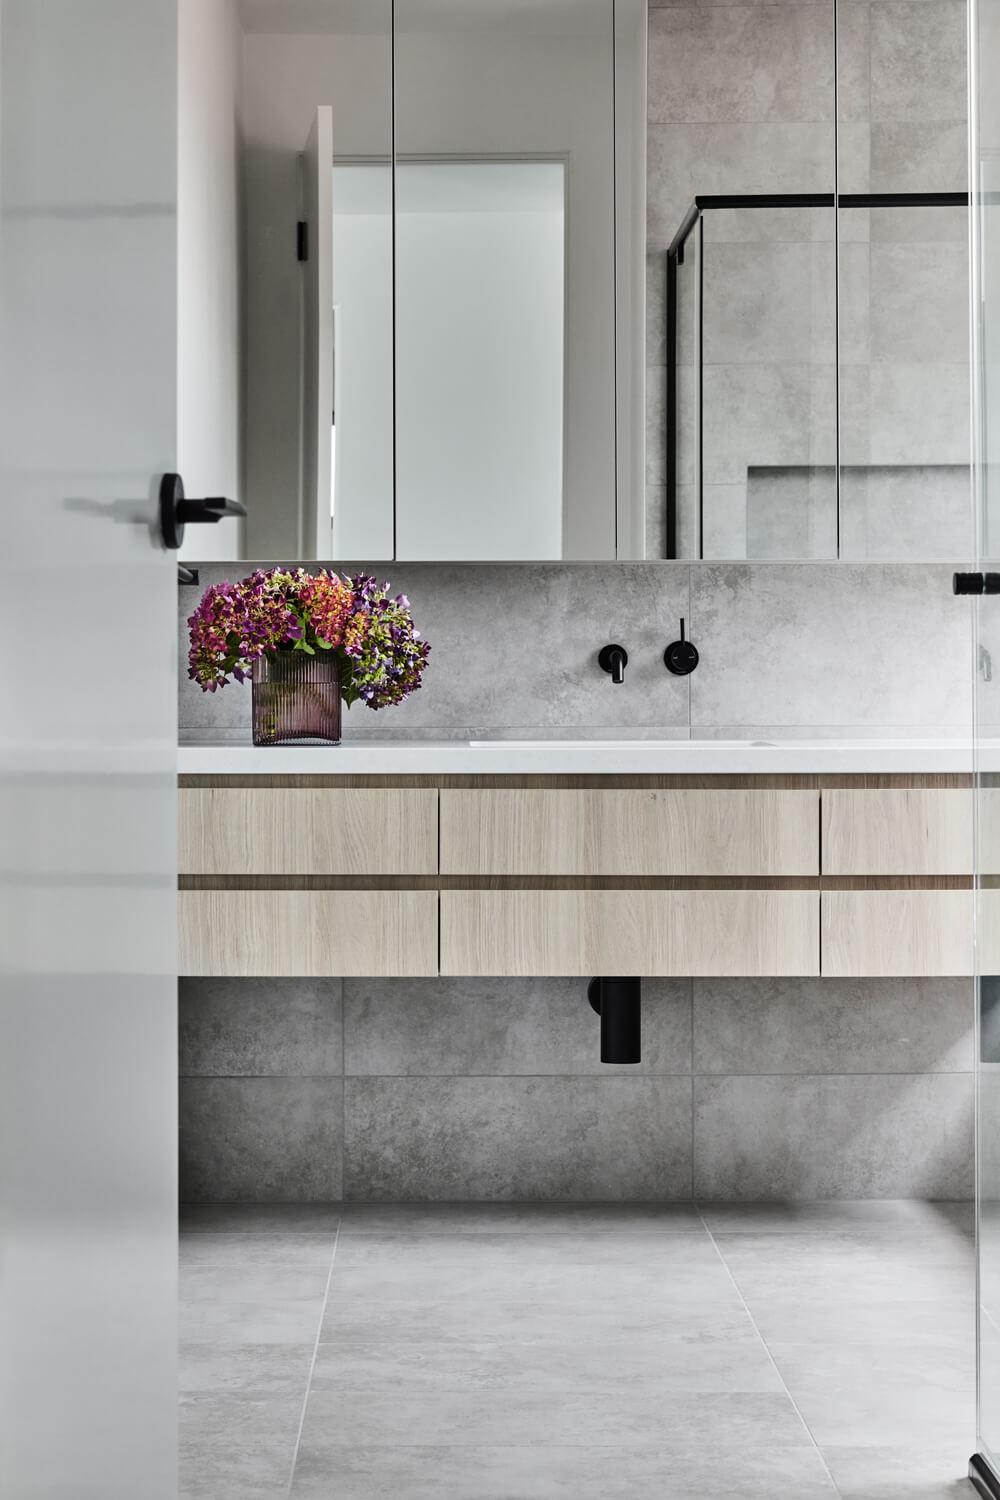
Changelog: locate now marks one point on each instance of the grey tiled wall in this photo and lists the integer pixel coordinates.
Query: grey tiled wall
(792, 649)
(392, 1090)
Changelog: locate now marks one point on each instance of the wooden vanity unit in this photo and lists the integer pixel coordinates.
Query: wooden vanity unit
(844, 876)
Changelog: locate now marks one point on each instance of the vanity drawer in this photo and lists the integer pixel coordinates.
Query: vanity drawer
(596, 832)
(307, 831)
(904, 934)
(711, 933)
(902, 831)
(308, 933)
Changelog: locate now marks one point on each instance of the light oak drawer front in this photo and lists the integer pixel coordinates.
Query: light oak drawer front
(307, 831)
(308, 933)
(886, 934)
(722, 933)
(918, 831)
(629, 832)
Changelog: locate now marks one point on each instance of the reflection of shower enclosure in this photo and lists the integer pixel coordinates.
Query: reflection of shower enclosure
(817, 377)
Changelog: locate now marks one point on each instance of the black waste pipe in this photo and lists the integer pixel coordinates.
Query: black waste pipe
(618, 1002)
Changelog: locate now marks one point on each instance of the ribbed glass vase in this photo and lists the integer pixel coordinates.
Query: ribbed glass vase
(296, 699)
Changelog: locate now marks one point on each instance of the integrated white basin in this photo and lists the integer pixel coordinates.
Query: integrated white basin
(556, 757)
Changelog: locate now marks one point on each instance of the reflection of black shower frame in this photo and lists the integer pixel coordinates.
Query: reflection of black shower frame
(675, 257)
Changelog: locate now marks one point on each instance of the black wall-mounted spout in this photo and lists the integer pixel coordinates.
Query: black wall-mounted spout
(613, 659)
(618, 1002)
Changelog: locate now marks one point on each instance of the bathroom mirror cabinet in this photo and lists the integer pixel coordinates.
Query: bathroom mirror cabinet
(490, 280)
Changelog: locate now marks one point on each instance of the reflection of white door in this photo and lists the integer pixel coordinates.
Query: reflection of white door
(88, 1029)
(480, 359)
(315, 535)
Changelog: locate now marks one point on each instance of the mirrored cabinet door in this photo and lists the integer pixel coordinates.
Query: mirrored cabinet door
(578, 279)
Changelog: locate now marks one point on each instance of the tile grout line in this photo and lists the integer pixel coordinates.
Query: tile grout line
(312, 1365)
(834, 1488)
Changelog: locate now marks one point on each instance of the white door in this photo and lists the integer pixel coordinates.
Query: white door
(317, 468)
(88, 106)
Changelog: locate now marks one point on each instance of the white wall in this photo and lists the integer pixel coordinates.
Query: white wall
(286, 76)
(480, 357)
(363, 360)
(209, 292)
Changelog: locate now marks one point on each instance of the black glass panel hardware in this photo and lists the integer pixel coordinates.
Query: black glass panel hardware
(975, 583)
(984, 1481)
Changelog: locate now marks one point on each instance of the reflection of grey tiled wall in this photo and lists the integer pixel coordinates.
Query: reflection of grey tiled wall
(798, 649)
(742, 99)
(388, 1090)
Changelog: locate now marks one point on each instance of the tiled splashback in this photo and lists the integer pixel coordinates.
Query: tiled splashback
(787, 649)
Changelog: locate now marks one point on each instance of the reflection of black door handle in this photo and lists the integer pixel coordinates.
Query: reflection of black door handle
(176, 510)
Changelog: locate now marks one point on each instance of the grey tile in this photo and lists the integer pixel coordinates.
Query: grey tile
(264, 1371)
(906, 513)
(260, 1027)
(656, 416)
(779, 646)
(671, 1293)
(850, 1137)
(848, 1271)
(833, 1026)
(234, 1446)
(502, 1026)
(791, 512)
(768, 302)
(881, 406)
(229, 1323)
(745, 63)
(547, 1356)
(919, 302)
(880, 1396)
(596, 1220)
(532, 1138)
(656, 522)
(900, 1219)
(724, 521)
(901, 1473)
(656, 308)
(462, 1418)
(674, 1468)
(772, 415)
(685, 160)
(268, 1281)
(853, 61)
(291, 1219)
(511, 1256)
(261, 1139)
(247, 1251)
(914, 158)
(929, 1325)
(918, 61)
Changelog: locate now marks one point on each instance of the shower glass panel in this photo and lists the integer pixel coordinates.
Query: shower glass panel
(904, 378)
(818, 378)
(985, 1467)
(763, 387)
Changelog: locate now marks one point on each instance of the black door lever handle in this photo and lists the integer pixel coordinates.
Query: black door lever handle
(176, 510)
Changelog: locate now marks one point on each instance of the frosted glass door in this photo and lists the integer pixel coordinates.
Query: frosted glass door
(88, 396)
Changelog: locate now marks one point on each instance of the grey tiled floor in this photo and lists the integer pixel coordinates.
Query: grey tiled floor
(577, 1353)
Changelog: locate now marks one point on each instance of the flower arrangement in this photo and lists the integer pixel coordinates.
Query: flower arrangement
(380, 655)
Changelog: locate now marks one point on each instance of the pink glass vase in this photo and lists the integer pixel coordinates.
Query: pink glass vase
(296, 699)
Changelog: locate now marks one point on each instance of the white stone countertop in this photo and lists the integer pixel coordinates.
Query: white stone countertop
(591, 757)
